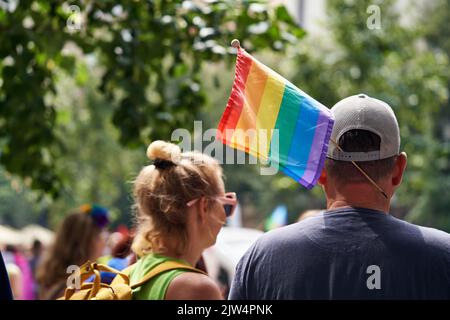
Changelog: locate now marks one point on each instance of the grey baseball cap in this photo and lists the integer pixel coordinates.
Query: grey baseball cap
(365, 113)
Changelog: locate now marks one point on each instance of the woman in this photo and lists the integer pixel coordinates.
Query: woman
(80, 237)
(181, 206)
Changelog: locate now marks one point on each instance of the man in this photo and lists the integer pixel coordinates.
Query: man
(354, 249)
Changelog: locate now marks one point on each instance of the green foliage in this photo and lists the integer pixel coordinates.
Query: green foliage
(405, 66)
(151, 54)
(18, 206)
(432, 207)
(78, 108)
(97, 169)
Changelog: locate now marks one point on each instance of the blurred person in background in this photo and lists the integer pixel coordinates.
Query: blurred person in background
(81, 237)
(27, 289)
(113, 239)
(181, 206)
(19, 272)
(120, 258)
(5, 287)
(36, 252)
(35, 258)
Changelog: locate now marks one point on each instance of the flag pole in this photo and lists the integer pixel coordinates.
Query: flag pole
(236, 44)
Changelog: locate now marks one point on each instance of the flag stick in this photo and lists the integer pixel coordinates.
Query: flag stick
(235, 43)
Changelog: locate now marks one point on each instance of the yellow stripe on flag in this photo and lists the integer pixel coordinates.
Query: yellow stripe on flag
(254, 88)
(268, 112)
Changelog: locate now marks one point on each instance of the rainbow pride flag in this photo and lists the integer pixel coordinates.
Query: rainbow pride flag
(274, 121)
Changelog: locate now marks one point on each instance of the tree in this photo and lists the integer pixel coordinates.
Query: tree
(406, 66)
(151, 53)
(433, 207)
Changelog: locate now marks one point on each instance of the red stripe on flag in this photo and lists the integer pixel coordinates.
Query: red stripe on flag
(235, 103)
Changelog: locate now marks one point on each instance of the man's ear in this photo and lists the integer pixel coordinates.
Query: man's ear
(399, 169)
(323, 177)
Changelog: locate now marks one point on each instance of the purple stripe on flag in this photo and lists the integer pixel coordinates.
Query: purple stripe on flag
(318, 152)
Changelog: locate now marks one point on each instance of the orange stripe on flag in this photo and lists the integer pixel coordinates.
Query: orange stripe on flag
(254, 89)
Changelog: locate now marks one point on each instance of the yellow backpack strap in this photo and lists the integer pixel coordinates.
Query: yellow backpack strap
(123, 277)
(105, 268)
(128, 269)
(90, 268)
(163, 267)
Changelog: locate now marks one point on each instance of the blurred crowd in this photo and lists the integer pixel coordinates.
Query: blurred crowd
(40, 272)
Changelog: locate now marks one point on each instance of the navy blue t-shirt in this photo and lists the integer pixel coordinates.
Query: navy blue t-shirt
(347, 253)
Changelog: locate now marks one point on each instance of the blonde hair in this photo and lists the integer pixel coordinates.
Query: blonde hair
(73, 245)
(161, 191)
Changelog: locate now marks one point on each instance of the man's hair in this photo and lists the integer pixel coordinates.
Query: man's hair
(359, 141)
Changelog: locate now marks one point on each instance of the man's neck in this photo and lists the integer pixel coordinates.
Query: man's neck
(360, 203)
(361, 195)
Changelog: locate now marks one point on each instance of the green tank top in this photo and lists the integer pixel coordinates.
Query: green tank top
(156, 288)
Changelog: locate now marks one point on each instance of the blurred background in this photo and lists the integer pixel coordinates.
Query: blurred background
(85, 86)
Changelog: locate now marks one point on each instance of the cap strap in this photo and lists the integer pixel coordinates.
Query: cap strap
(355, 156)
(362, 171)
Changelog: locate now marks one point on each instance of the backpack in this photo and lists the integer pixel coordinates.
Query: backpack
(120, 288)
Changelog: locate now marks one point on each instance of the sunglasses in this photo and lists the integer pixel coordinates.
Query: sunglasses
(228, 201)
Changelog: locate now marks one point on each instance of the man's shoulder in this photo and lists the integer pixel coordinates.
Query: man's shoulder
(402, 230)
(436, 238)
(292, 233)
(429, 238)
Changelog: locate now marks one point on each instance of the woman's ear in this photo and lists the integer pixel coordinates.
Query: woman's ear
(202, 209)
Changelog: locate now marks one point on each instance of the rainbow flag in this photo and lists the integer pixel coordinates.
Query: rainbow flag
(274, 121)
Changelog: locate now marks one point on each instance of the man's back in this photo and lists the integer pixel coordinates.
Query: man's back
(347, 253)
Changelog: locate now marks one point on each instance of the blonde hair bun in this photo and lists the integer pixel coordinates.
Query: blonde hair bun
(164, 151)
